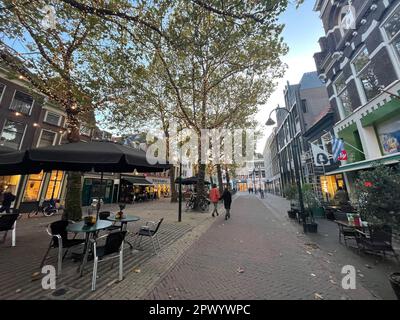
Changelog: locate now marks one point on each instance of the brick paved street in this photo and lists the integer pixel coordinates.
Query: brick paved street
(141, 269)
(278, 261)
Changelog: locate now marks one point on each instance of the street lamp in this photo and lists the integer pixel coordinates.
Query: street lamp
(295, 151)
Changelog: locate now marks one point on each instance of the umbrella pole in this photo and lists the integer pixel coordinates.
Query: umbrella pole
(98, 202)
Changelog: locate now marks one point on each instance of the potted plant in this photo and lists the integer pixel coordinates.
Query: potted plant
(292, 195)
(377, 194)
(311, 203)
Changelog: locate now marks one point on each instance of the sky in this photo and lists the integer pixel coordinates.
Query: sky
(302, 30)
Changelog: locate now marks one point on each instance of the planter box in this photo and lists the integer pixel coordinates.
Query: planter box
(292, 214)
(310, 227)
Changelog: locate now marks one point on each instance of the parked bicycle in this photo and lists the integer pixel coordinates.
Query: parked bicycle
(47, 208)
(204, 203)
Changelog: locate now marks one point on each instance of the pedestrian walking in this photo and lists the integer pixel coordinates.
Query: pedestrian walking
(227, 198)
(262, 193)
(8, 198)
(214, 198)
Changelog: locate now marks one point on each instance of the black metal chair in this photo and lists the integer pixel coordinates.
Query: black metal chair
(59, 239)
(7, 223)
(379, 240)
(113, 248)
(103, 215)
(346, 232)
(150, 230)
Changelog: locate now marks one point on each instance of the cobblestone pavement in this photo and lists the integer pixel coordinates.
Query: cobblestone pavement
(19, 264)
(258, 254)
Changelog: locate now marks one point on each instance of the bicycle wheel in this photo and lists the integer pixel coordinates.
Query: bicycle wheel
(49, 212)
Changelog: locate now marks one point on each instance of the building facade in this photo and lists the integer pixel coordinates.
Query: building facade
(308, 107)
(272, 167)
(29, 120)
(360, 64)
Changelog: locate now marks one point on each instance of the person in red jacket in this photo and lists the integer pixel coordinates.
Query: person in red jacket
(214, 198)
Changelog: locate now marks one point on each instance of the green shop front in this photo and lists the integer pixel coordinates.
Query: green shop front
(371, 135)
(94, 187)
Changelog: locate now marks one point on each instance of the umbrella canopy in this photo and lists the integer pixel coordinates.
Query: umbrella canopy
(81, 156)
(191, 180)
(4, 149)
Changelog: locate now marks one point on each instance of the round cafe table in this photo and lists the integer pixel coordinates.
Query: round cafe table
(124, 221)
(89, 231)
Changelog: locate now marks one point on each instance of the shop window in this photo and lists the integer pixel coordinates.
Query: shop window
(9, 183)
(54, 187)
(33, 186)
(389, 135)
(12, 134)
(22, 102)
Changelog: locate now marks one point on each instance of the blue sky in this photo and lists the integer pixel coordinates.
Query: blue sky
(302, 30)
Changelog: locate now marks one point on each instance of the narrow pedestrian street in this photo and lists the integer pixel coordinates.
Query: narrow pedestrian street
(257, 254)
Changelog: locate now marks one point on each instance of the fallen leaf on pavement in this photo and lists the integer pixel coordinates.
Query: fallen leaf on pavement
(332, 281)
(317, 296)
(18, 291)
(240, 270)
(368, 266)
(308, 252)
(313, 275)
(361, 275)
(137, 270)
(330, 254)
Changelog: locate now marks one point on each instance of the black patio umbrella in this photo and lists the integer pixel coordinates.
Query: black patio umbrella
(189, 181)
(98, 156)
(4, 149)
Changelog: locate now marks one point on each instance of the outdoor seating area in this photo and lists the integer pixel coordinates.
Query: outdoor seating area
(84, 256)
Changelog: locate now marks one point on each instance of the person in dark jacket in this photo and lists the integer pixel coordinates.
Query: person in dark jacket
(227, 197)
(8, 198)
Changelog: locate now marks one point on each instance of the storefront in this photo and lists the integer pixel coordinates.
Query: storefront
(241, 185)
(330, 185)
(161, 186)
(43, 186)
(136, 188)
(95, 188)
(9, 183)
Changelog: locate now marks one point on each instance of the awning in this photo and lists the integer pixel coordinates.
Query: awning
(366, 164)
(137, 181)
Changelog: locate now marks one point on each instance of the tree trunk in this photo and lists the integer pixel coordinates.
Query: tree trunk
(73, 198)
(228, 179)
(219, 174)
(174, 193)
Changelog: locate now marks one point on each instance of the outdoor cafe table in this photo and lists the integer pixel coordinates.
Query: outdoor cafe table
(80, 227)
(124, 221)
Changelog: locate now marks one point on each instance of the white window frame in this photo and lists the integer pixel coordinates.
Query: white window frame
(360, 87)
(31, 107)
(40, 137)
(55, 113)
(23, 135)
(4, 90)
(338, 94)
(394, 56)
